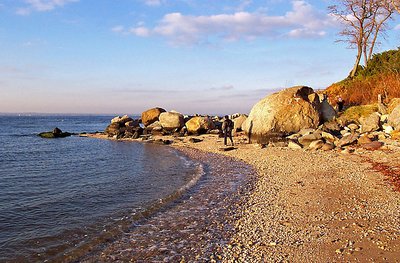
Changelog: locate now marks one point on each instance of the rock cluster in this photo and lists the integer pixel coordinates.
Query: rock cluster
(157, 121)
(369, 132)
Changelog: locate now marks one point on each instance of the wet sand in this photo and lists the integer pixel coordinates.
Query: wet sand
(303, 206)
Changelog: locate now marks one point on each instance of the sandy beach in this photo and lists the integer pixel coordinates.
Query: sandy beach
(306, 206)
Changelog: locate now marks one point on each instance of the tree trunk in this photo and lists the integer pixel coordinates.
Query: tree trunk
(358, 59)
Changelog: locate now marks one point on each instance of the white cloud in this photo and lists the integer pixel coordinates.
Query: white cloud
(303, 21)
(42, 5)
(153, 2)
(118, 29)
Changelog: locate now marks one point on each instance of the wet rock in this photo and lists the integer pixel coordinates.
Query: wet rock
(56, 133)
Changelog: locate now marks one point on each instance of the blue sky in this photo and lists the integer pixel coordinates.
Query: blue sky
(194, 56)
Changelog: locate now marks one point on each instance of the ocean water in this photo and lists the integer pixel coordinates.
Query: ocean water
(58, 196)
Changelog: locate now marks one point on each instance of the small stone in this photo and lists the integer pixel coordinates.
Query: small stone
(339, 250)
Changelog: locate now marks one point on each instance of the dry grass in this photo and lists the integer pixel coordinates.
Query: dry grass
(365, 91)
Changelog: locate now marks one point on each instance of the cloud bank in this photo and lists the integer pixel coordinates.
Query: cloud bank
(303, 21)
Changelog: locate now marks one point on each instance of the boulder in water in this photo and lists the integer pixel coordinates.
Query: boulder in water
(56, 133)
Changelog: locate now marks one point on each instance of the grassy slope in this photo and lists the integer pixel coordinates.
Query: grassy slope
(381, 76)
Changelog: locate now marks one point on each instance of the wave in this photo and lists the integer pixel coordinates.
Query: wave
(120, 223)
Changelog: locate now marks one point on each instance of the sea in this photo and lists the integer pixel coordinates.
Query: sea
(60, 195)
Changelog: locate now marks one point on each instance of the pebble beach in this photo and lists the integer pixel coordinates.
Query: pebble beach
(290, 206)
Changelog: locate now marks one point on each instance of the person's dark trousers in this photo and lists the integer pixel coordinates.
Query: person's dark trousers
(226, 135)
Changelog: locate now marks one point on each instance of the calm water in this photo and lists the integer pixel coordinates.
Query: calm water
(59, 195)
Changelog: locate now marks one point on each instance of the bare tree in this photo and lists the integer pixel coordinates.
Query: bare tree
(396, 5)
(364, 21)
(381, 12)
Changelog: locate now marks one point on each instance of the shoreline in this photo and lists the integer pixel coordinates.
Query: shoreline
(194, 227)
(312, 206)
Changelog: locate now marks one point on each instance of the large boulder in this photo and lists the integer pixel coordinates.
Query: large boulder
(327, 111)
(393, 104)
(238, 122)
(370, 123)
(171, 120)
(151, 115)
(199, 124)
(113, 129)
(284, 112)
(394, 118)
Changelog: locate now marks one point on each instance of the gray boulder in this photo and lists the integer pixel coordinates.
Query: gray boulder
(171, 120)
(282, 113)
(370, 123)
(394, 118)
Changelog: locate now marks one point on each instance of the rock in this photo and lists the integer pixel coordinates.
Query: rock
(316, 145)
(327, 111)
(132, 123)
(171, 120)
(364, 140)
(393, 104)
(382, 109)
(328, 137)
(394, 118)
(306, 140)
(195, 140)
(56, 133)
(328, 147)
(238, 122)
(352, 127)
(387, 129)
(199, 125)
(348, 139)
(121, 120)
(384, 118)
(151, 115)
(282, 113)
(331, 127)
(395, 135)
(372, 145)
(113, 129)
(294, 145)
(308, 131)
(370, 123)
(293, 136)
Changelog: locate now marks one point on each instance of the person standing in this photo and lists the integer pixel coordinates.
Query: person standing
(227, 127)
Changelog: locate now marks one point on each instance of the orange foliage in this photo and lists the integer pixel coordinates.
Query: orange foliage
(365, 91)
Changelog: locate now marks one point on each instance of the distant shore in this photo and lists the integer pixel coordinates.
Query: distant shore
(311, 205)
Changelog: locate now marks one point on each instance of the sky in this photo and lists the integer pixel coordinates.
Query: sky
(192, 56)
